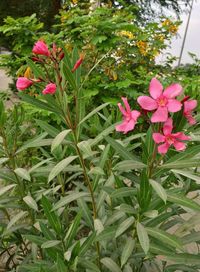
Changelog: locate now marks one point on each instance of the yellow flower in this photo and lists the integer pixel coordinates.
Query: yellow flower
(74, 2)
(173, 29)
(126, 34)
(143, 47)
(166, 22)
(28, 73)
(160, 37)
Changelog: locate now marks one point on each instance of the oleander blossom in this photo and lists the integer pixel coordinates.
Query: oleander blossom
(23, 83)
(161, 101)
(188, 107)
(170, 139)
(40, 48)
(129, 117)
(49, 89)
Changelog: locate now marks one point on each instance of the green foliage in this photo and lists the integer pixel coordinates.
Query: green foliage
(76, 196)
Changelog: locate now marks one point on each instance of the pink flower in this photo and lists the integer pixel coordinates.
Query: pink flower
(129, 117)
(50, 89)
(40, 48)
(162, 102)
(189, 106)
(23, 83)
(170, 138)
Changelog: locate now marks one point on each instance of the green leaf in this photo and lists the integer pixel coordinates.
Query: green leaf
(2, 160)
(50, 243)
(52, 131)
(159, 189)
(165, 237)
(61, 265)
(187, 174)
(37, 141)
(192, 237)
(143, 237)
(5, 189)
(73, 230)
(120, 149)
(87, 243)
(31, 202)
(52, 217)
(101, 135)
(38, 240)
(129, 165)
(38, 103)
(179, 267)
(182, 258)
(127, 250)
(90, 266)
(123, 192)
(106, 234)
(145, 191)
(35, 167)
(59, 139)
(38, 73)
(16, 218)
(60, 167)
(93, 112)
(71, 197)
(23, 173)
(69, 75)
(86, 212)
(124, 226)
(180, 164)
(110, 264)
(182, 201)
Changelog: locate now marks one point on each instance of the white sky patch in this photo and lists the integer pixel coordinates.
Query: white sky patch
(192, 43)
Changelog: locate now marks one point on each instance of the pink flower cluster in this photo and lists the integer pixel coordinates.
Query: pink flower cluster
(162, 103)
(40, 48)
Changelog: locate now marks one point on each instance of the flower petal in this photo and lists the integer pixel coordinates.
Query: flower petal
(125, 100)
(191, 119)
(181, 136)
(147, 103)
(125, 126)
(122, 109)
(190, 105)
(174, 105)
(158, 138)
(179, 146)
(135, 114)
(172, 91)
(168, 126)
(155, 88)
(162, 149)
(160, 115)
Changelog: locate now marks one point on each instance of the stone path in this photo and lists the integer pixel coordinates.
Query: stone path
(4, 80)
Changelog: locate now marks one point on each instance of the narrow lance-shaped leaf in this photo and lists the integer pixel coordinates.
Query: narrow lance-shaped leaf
(182, 201)
(159, 189)
(59, 139)
(127, 251)
(31, 202)
(23, 173)
(143, 237)
(110, 264)
(58, 168)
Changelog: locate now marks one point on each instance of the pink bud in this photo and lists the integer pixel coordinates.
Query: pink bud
(40, 48)
(50, 89)
(77, 64)
(23, 83)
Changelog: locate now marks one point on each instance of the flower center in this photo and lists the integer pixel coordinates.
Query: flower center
(169, 139)
(162, 101)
